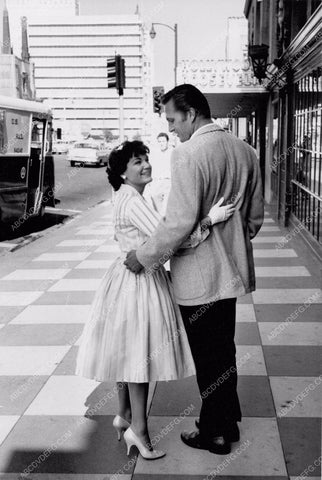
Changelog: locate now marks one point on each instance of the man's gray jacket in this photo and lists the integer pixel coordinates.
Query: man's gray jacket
(211, 165)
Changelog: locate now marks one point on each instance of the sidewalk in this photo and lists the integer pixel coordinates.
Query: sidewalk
(57, 426)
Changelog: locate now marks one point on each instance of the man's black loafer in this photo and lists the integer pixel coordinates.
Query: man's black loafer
(217, 445)
(231, 434)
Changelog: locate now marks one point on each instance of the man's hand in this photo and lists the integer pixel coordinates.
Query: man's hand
(132, 262)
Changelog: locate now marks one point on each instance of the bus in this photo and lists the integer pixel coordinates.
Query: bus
(27, 175)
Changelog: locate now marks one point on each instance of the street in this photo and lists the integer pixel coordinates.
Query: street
(81, 187)
(77, 189)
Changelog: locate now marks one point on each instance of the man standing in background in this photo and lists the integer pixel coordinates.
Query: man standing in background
(159, 189)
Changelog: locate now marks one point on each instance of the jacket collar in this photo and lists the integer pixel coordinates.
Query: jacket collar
(210, 127)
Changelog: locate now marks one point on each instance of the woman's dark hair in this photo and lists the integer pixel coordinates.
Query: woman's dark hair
(187, 96)
(119, 158)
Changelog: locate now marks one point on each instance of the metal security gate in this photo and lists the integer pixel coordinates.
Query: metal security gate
(306, 176)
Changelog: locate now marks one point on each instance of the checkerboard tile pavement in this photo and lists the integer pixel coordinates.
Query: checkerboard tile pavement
(59, 426)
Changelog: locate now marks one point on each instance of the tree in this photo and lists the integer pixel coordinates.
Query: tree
(108, 135)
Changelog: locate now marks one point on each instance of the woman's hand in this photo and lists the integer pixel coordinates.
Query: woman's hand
(220, 214)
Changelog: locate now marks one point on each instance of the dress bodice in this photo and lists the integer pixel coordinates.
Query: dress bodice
(134, 219)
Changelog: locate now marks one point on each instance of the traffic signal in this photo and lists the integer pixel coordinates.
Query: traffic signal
(120, 73)
(111, 72)
(116, 73)
(158, 92)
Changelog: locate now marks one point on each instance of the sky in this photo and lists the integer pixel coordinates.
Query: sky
(201, 27)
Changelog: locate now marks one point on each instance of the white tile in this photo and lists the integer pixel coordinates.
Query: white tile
(259, 452)
(111, 248)
(63, 395)
(297, 396)
(286, 271)
(101, 224)
(263, 239)
(291, 333)
(250, 360)
(245, 313)
(33, 360)
(46, 314)
(58, 257)
(7, 422)
(38, 274)
(92, 242)
(95, 264)
(96, 231)
(8, 245)
(287, 295)
(274, 253)
(18, 299)
(270, 228)
(75, 285)
(268, 220)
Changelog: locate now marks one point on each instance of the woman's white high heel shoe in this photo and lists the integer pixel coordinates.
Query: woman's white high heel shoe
(120, 425)
(132, 439)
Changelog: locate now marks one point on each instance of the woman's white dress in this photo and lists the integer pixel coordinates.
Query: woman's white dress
(134, 332)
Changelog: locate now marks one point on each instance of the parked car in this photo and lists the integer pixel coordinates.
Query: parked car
(88, 153)
(60, 147)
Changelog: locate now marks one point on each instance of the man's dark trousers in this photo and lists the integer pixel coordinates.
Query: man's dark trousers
(211, 330)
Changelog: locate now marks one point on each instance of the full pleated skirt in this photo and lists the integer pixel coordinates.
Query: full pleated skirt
(134, 332)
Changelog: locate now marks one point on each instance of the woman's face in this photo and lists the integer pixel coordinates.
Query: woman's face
(138, 172)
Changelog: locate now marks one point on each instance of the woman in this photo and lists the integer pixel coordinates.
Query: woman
(134, 334)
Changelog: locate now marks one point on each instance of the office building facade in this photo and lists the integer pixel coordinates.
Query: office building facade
(70, 56)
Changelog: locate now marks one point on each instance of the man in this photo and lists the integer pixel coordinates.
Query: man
(208, 165)
(158, 191)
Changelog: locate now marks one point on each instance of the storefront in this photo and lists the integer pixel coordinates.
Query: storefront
(293, 79)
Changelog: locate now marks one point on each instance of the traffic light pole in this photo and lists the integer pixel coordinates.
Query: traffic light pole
(121, 109)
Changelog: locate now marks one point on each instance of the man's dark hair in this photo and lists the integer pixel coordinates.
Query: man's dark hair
(187, 96)
(163, 134)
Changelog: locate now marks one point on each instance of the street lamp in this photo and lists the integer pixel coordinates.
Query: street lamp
(258, 55)
(175, 31)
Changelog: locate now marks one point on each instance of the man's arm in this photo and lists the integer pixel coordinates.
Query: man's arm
(182, 213)
(256, 206)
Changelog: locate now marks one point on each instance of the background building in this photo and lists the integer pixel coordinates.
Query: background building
(290, 121)
(70, 55)
(16, 74)
(229, 84)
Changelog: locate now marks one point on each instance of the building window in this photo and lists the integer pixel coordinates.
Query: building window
(306, 174)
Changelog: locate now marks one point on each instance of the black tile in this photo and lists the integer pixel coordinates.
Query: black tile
(278, 262)
(168, 402)
(301, 442)
(68, 364)
(37, 334)
(255, 396)
(247, 334)
(285, 282)
(293, 360)
(9, 313)
(89, 448)
(17, 392)
(65, 298)
(280, 312)
(245, 299)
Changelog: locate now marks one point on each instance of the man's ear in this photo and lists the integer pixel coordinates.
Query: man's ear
(193, 114)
